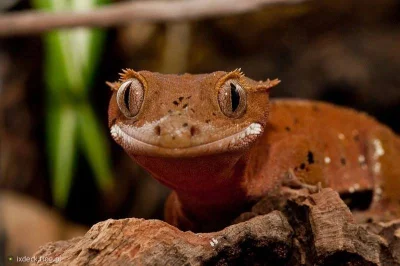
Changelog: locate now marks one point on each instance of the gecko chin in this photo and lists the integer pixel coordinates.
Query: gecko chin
(130, 140)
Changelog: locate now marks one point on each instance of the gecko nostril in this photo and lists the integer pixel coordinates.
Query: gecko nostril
(194, 131)
(158, 130)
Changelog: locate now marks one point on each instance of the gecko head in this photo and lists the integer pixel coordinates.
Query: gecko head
(161, 115)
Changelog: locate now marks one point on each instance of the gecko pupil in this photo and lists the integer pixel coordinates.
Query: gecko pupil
(126, 97)
(235, 97)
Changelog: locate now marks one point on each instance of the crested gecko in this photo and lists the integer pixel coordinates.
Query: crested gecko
(219, 143)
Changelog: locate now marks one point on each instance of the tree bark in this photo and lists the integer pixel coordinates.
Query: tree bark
(307, 229)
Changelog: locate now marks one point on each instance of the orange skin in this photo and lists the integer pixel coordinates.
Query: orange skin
(219, 142)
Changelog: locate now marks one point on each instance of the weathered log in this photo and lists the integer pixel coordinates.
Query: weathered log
(310, 229)
(153, 242)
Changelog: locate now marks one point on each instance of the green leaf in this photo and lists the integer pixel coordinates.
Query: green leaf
(55, 68)
(94, 144)
(71, 61)
(62, 123)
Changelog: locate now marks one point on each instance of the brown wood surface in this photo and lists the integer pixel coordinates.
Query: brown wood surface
(309, 229)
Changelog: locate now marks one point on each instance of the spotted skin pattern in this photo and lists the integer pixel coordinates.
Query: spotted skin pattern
(339, 147)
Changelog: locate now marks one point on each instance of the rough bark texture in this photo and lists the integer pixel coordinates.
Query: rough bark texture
(308, 229)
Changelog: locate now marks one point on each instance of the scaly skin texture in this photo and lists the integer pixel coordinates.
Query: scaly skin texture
(220, 144)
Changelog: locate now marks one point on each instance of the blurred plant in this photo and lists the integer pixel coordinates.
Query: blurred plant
(71, 124)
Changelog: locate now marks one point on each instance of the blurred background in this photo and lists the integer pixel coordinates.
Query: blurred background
(60, 172)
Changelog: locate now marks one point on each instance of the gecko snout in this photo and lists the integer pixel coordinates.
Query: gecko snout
(175, 133)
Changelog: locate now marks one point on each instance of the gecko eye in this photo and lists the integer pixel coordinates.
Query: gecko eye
(130, 97)
(232, 99)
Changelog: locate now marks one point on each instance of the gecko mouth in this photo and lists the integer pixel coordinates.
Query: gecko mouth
(235, 142)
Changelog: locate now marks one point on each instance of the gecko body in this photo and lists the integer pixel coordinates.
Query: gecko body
(220, 143)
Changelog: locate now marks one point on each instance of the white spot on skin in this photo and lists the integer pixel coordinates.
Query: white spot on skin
(362, 162)
(377, 193)
(341, 136)
(212, 243)
(253, 129)
(354, 188)
(114, 132)
(377, 168)
(379, 151)
(327, 160)
(179, 132)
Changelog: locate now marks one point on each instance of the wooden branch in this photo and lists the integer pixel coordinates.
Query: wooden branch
(29, 22)
(313, 229)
